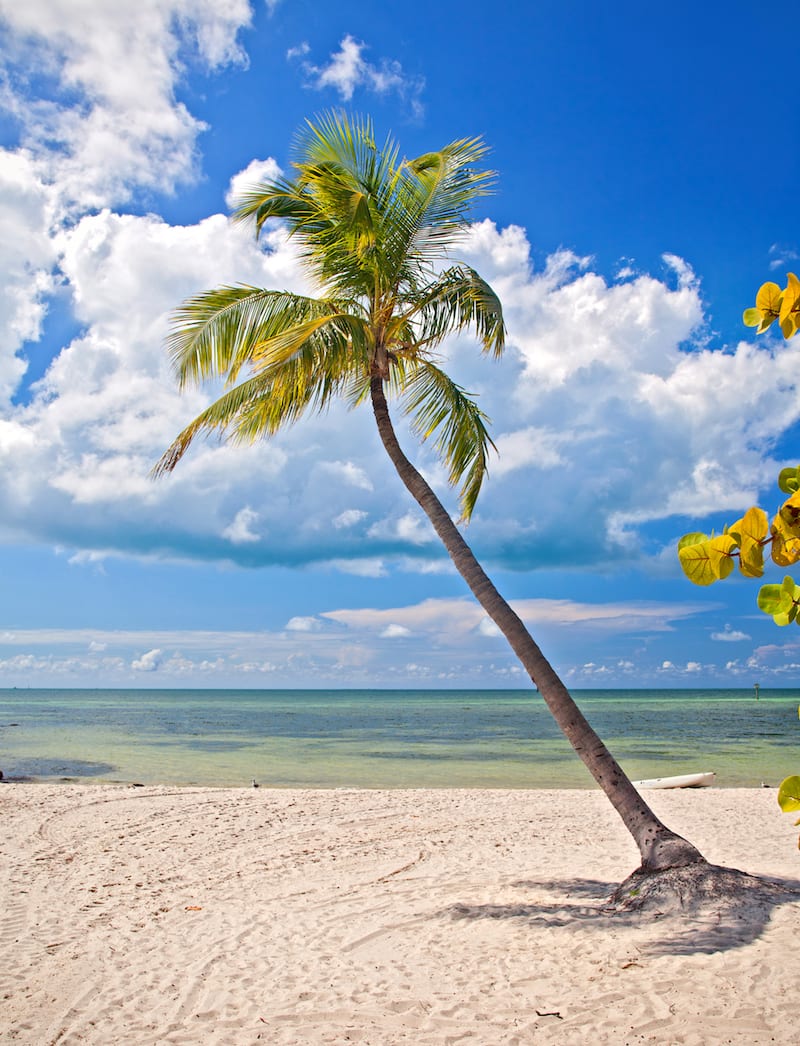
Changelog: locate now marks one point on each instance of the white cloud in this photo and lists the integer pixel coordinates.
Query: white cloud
(463, 617)
(345, 472)
(623, 428)
(256, 172)
(683, 271)
(516, 450)
(782, 256)
(349, 518)
(112, 121)
(27, 256)
(607, 414)
(108, 406)
(348, 70)
(730, 635)
(487, 627)
(148, 662)
(241, 530)
(366, 567)
(300, 51)
(303, 624)
(412, 528)
(395, 632)
(691, 668)
(443, 642)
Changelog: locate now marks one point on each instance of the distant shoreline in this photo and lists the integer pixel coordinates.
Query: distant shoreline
(389, 738)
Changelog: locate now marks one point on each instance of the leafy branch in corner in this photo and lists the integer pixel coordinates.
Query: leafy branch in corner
(708, 558)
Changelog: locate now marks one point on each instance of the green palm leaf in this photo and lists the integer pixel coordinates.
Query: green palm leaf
(440, 408)
(459, 299)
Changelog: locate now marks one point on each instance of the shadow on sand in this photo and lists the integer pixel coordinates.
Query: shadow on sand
(697, 922)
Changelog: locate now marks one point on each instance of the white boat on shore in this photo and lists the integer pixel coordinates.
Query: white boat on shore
(703, 780)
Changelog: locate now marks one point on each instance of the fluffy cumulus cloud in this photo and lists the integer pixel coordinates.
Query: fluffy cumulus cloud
(105, 118)
(600, 414)
(609, 410)
(618, 415)
(148, 662)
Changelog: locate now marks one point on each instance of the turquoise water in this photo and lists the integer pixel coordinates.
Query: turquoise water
(389, 739)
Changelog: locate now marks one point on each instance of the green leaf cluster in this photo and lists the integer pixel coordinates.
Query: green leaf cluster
(774, 303)
(780, 601)
(706, 559)
(709, 558)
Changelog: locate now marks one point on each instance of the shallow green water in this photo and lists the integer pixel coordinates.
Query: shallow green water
(386, 739)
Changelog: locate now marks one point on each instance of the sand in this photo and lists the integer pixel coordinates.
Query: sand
(238, 916)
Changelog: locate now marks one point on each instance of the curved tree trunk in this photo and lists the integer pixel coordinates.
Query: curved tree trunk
(659, 847)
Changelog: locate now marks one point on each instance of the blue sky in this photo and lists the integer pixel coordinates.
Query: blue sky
(646, 165)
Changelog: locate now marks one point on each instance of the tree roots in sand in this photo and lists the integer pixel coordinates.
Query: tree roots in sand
(694, 889)
(708, 906)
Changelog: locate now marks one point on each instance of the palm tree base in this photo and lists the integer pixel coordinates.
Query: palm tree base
(720, 902)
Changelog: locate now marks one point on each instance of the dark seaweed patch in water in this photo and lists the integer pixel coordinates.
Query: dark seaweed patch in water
(44, 767)
(218, 746)
(469, 757)
(203, 746)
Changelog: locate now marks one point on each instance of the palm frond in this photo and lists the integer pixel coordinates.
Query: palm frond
(279, 199)
(348, 144)
(450, 181)
(459, 299)
(219, 331)
(430, 203)
(440, 408)
(277, 396)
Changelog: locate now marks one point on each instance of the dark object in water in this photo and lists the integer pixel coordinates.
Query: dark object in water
(44, 766)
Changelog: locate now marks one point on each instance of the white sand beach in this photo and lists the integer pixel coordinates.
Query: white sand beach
(241, 916)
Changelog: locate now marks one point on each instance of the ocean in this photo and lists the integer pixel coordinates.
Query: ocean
(389, 738)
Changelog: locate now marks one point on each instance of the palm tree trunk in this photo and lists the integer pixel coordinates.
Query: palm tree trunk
(659, 847)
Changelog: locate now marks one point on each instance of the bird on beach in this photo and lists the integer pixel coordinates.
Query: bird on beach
(255, 783)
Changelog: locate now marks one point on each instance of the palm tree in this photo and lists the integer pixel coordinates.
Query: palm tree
(374, 231)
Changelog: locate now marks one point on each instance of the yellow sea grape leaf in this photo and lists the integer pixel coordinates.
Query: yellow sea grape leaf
(789, 514)
(785, 546)
(789, 794)
(780, 601)
(788, 316)
(721, 549)
(751, 559)
(791, 297)
(769, 299)
(753, 526)
(767, 320)
(791, 600)
(708, 561)
(750, 532)
(752, 317)
(789, 480)
(695, 538)
(789, 325)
